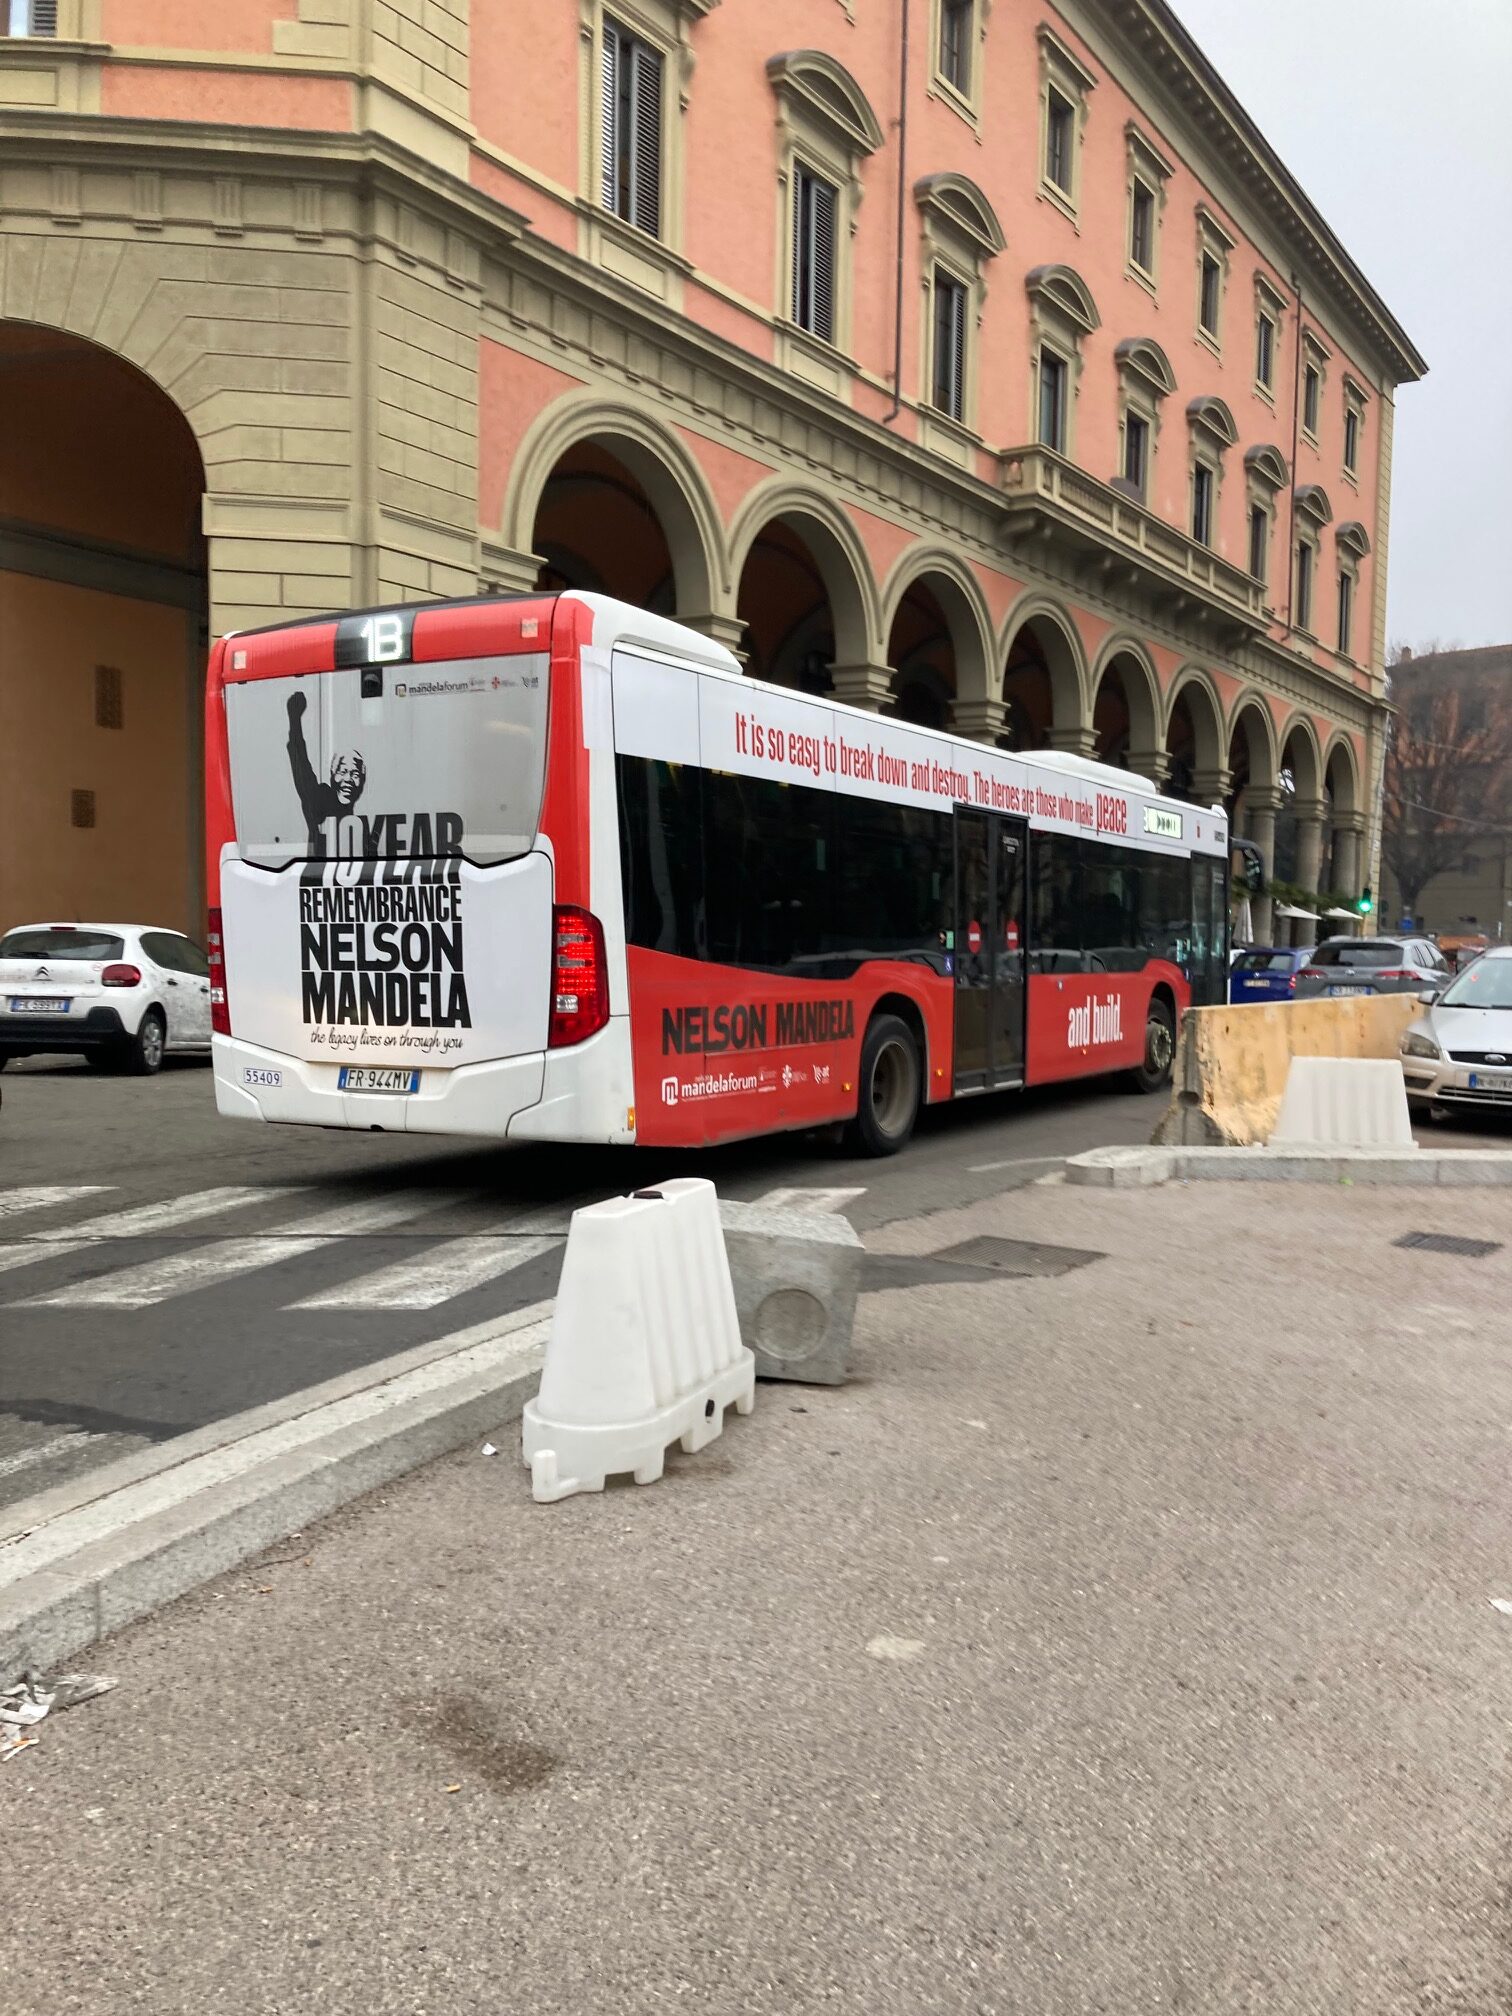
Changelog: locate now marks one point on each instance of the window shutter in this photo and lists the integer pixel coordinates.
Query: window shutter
(958, 353)
(823, 261)
(645, 140)
(609, 139)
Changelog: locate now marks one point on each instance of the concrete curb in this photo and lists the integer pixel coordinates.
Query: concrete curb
(1137, 1168)
(85, 1559)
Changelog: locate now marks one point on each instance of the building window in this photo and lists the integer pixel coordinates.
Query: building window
(949, 345)
(1052, 399)
(33, 17)
(631, 87)
(1142, 226)
(1060, 135)
(1346, 612)
(1136, 455)
(1351, 441)
(814, 254)
(1302, 599)
(1312, 386)
(1259, 540)
(1209, 293)
(1265, 350)
(1204, 486)
(956, 23)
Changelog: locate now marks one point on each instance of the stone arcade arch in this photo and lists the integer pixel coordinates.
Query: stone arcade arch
(806, 600)
(103, 618)
(939, 636)
(1044, 680)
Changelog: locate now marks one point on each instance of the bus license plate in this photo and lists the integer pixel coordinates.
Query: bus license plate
(370, 1078)
(40, 1005)
(1490, 1081)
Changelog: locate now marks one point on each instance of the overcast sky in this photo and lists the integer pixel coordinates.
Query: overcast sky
(1396, 122)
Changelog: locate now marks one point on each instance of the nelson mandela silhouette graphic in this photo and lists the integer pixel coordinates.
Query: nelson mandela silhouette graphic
(318, 801)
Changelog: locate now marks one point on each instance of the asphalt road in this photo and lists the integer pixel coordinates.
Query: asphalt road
(162, 1268)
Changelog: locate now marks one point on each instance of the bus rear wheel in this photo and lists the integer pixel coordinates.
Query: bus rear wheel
(1154, 1074)
(887, 1102)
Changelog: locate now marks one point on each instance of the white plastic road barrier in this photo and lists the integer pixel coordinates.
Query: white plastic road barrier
(1343, 1102)
(645, 1346)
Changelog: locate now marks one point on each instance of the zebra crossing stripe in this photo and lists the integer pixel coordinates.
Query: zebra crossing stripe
(171, 1212)
(179, 1273)
(40, 1196)
(451, 1268)
(810, 1200)
(371, 1214)
(43, 1452)
(32, 1252)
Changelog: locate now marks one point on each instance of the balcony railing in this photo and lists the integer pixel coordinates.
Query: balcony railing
(1044, 491)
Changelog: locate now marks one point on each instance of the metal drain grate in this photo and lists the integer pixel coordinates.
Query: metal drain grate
(1449, 1242)
(1017, 1256)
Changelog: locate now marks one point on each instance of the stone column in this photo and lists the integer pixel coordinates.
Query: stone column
(1211, 787)
(1310, 813)
(1074, 741)
(726, 630)
(869, 686)
(1348, 833)
(984, 720)
(1154, 765)
(1260, 826)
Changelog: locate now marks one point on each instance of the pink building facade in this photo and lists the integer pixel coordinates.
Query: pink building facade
(978, 362)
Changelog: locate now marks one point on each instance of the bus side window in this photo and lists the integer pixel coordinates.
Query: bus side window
(1055, 932)
(661, 855)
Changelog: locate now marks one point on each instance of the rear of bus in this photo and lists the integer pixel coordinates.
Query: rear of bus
(402, 928)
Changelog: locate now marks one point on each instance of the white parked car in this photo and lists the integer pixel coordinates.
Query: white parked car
(1459, 1051)
(118, 994)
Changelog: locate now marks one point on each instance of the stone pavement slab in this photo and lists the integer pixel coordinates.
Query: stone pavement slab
(1118, 1640)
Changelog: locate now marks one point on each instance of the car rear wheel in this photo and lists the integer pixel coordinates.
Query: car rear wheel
(887, 1102)
(144, 1051)
(1160, 1049)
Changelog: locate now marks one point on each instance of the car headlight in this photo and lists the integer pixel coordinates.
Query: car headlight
(1419, 1046)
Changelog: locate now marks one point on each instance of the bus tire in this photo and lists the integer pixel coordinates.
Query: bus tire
(1154, 1074)
(887, 1097)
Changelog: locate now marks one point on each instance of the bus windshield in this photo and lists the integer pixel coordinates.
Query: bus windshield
(378, 762)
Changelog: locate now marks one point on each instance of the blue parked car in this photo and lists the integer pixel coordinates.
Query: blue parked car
(1267, 972)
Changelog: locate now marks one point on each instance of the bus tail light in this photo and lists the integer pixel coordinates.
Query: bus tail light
(220, 1006)
(579, 976)
(121, 975)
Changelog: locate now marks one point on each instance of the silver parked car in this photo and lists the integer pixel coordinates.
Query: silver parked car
(1459, 1051)
(1373, 966)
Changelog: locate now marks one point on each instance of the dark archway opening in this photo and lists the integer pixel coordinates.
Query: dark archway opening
(596, 528)
(922, 651)
(104, 623)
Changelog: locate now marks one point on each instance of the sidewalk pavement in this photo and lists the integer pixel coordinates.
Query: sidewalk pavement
(1118, 1641)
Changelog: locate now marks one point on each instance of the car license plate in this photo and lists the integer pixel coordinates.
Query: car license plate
(1349, 990)
(370, 1078)
(1490, 1081)
(40, 1004)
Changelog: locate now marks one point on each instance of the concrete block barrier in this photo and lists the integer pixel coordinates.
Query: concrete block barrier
(645, 1343)
(796, 1275)
(1232, 1063)
(1343, 1102)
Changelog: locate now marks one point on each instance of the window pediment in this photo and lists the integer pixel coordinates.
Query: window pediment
(1268, 464)
(819, 90)
(1143, 356)
(1062, 291)
(958, 205)
(1312, 502)
(1213, 417)
(1353, 537)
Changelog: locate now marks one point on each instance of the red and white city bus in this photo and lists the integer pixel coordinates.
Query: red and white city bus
(550, 868)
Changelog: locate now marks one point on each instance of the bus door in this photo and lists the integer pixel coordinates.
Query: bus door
(989, 951)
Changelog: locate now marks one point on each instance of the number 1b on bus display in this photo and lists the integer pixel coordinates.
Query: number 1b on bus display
(549, 868)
